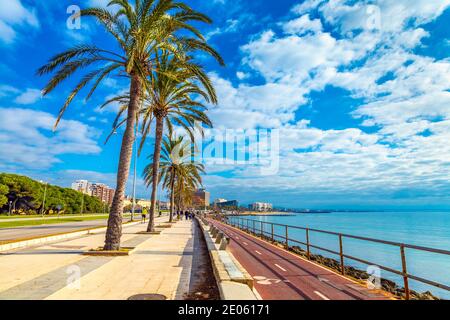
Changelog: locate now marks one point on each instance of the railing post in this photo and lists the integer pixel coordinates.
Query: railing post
(405, 272)
(272, 233)
(287, 237)
(341, 254)
(262, 233)
(254, 227)
(307, 244)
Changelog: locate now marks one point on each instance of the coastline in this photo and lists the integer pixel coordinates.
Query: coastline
(265, 214)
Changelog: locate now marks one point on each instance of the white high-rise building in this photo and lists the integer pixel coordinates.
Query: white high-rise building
(82, 186)
(219, 200)
(261, 206)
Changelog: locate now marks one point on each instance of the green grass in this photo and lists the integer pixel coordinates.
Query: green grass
(25, 222)
(3, 217)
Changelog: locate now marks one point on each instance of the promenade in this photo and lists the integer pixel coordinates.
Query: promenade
(161, 264)
(281, 275)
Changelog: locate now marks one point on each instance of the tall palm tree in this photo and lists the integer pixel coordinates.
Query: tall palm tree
(139, 30)
(176, 168)
(184, 191)
(173, 99)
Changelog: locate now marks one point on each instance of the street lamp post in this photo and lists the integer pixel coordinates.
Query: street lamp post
(82, 203)
(10, 206)
(43, 200)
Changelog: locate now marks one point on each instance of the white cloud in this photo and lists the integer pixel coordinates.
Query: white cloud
(12, 15)
(112, 107)
(302, 25)
(6, 90)
(406, 99)
(241, 75)
(231, 26)
(292, 58)
(270, 105)
(393, 15)
(27, 136)
(30, 96)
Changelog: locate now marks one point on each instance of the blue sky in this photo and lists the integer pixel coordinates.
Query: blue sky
(358, 91)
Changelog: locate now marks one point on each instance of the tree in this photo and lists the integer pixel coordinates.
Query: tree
(183, 193)
(3, 192)
(170, 102)
(139, 30)
(27, 195)
(176, 169)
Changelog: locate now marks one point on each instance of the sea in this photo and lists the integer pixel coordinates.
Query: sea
(421, 228)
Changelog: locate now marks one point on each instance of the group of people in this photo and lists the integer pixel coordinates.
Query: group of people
(188, 215)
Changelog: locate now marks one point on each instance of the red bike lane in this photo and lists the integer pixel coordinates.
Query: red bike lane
(281, 275)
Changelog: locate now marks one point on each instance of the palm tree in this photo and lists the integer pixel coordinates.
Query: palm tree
(173, 100)
(139, 30)
(176, 168)
(183, 193)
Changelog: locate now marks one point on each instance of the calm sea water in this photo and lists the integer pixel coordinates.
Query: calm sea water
(429, 229)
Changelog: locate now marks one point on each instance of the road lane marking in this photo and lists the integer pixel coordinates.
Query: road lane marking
(280, 267)
(258, 252)
(266, 281)
(245, 243)
(324, 297)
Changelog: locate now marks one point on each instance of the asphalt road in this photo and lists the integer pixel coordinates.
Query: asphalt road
(49, 218)
(280, 275)
(49, 229)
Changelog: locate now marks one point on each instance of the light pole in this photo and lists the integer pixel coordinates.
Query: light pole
(82, 203)
(43, 200)
(133, 206)
(10, 206)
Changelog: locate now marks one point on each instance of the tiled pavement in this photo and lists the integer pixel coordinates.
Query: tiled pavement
(161, 264)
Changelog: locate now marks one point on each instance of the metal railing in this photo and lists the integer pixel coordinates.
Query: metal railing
(251, 225)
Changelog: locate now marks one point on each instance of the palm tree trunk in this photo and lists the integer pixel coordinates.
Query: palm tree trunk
(114, 229)
(156, 158)
(172, 196)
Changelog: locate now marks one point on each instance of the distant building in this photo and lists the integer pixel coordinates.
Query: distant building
(102, 192)
(228, 204)
(200, 198)
(82, 186)
(98, 190)
(128, 201)
(261, 206)
(164, 205)
(219, 200)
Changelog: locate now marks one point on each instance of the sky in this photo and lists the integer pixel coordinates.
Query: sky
(356, 93)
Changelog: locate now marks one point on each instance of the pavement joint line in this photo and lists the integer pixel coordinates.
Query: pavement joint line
(324, 297)
(280, 267)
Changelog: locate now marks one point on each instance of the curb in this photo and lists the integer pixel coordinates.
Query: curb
(233, 281)
(52, 238)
